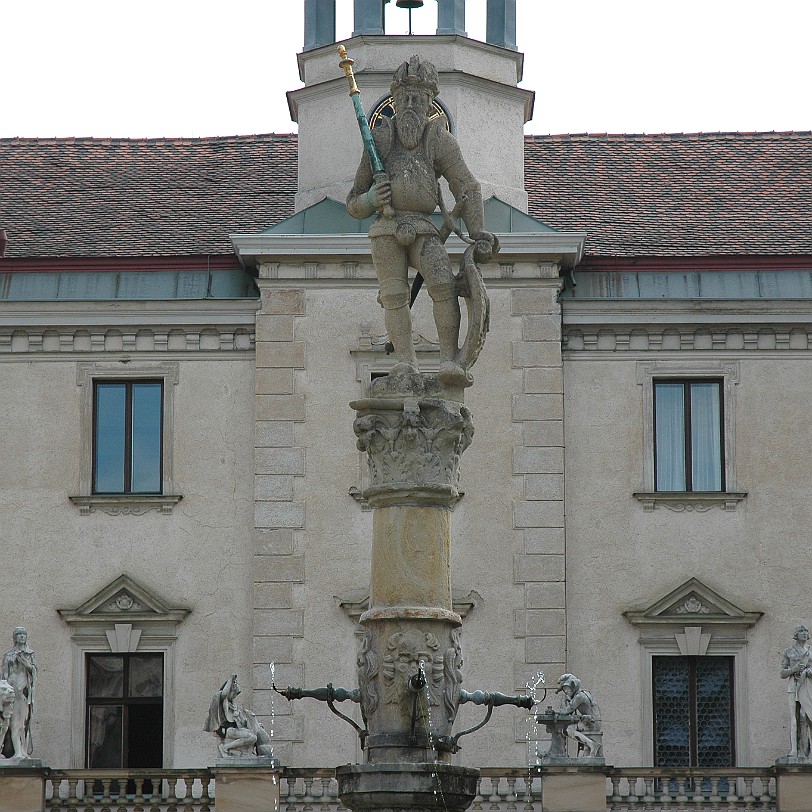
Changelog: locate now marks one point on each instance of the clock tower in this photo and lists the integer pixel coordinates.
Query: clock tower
(485, 108)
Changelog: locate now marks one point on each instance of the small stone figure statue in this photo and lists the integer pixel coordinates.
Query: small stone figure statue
(416, 151)
(19, 672)
(240, 733)
(797, 669)
(587, 731)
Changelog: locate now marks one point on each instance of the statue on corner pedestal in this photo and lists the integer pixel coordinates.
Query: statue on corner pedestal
(587, 730)
(240, 733)
(18, 676)
(416, 152)
(797, 668)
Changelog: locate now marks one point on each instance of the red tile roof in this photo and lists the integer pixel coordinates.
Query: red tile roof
(635, 195)
(676, 195)
(96, 197)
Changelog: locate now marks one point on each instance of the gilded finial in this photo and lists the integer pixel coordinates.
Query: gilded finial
(347, 63)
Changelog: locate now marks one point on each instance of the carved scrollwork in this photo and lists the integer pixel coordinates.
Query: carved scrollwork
(452, 671)
(367, 672)
(419, 445)
(406, 653)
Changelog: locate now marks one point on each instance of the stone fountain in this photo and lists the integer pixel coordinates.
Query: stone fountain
(414, 428)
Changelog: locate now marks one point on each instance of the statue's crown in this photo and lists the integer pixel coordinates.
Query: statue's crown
(416, 72)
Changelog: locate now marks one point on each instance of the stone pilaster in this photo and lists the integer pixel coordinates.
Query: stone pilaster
(279, 517)
(538, 463)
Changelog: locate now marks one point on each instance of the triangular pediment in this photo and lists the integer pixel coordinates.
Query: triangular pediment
(692, 603)
(124, 600)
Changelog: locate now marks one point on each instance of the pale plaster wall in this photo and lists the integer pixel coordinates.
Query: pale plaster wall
(619, 556)
(197, 557)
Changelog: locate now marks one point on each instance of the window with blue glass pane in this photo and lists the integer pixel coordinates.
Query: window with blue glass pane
(693, 711)
(127, 436)
(688, 436)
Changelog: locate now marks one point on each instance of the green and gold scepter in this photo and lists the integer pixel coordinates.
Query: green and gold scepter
(378, 172)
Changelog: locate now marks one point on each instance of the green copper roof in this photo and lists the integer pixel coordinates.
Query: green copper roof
(124, 285)
(330, 217)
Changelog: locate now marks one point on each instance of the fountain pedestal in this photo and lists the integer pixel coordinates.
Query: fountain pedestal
(414, 432)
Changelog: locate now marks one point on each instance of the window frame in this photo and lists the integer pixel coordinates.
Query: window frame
(128, 428)
(728, 373)
(687, 455)
(125, 701)
(166, 373)
(693, 744)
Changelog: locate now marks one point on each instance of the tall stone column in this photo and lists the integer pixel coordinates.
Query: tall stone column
(414, 432)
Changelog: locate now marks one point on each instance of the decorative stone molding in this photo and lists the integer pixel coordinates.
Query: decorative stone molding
(413, 448)
(356, 602)
(125, 339)
(681, 338)
(694, 620)
(700, 501)
(687, 502)
(125, 504)
(122, 617)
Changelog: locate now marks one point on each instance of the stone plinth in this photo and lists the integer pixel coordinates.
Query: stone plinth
(247, 788)
(22, 789)
(573, 789)
(406, 787)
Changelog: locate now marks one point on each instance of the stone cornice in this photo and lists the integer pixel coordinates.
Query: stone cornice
(769, 335)
(106, 339)
(295, 252)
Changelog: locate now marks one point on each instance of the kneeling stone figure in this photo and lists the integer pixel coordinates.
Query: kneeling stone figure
(240, 733)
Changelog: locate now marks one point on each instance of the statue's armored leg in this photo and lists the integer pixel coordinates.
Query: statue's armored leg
(436, 270)
(392, 269)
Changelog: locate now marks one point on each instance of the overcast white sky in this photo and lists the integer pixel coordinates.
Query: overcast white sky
(144, 68)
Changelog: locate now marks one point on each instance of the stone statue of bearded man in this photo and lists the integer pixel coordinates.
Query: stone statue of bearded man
(416, 151)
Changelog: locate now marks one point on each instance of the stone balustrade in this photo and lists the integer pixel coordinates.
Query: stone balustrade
(499, 789)
(130, 790)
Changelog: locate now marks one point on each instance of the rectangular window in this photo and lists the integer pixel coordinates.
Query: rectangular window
(124, 721)
(127, 436)
(688, 439)
(693, 711)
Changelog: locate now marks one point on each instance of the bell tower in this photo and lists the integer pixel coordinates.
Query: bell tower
(478, 92)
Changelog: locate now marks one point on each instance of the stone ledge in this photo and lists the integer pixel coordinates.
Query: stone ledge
(688, 501)
(125, 504)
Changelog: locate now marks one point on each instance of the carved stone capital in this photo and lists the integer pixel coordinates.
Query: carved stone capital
(413, 449)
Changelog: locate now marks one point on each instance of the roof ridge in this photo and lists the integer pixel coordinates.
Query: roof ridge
(728, 134)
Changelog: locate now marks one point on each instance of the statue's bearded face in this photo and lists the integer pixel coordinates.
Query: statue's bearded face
(412, 104)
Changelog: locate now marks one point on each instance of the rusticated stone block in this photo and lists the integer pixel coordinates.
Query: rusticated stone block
(545, 649)
(279, 621)
(544, 486)
(279, 461)
(274, 433)
(273, 542)
(538, 514)
(270, 568)
(280, 407)
(543, 379)
(273, 595)
(538, 460)
(545, 622)
(274, 328)
(545, 595)
(543, 433)
(272, 381)
(273, 488)
(533, 301)
(537, 407)
(527, 568)
(284, 674)
(290, 301)
(272, 650)
(279, 514)
(541, 328)
(535, 354)
(281, 354)
(543, 540)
